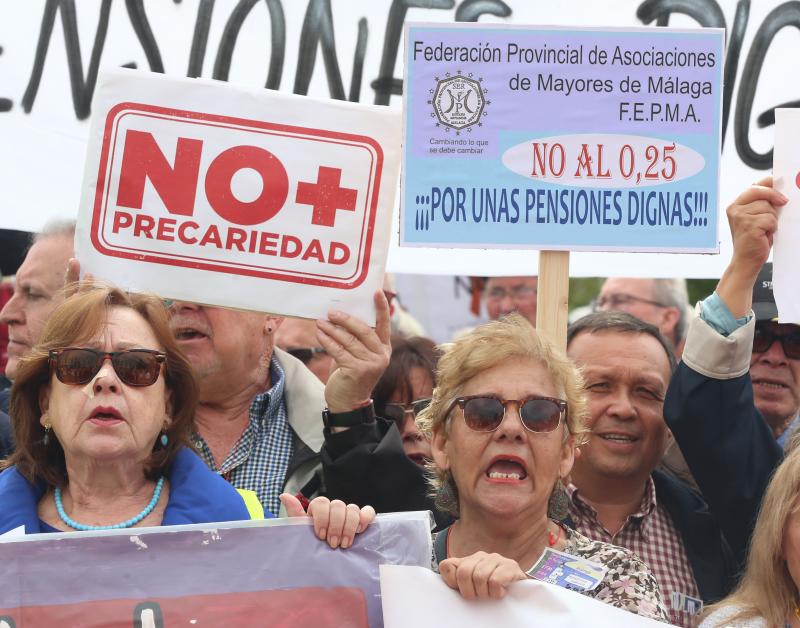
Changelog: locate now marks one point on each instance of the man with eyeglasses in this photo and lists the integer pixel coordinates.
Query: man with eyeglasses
(503, 295)
(739, 368)
(660, 302)
(298, 337)
(775, 363)
(617, 494)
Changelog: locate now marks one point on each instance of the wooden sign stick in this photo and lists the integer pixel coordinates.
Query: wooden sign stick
(552, 310)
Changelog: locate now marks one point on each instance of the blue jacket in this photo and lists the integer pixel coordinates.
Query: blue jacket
(6, 440)
(728, 446)
(712, 561)
(196, 495)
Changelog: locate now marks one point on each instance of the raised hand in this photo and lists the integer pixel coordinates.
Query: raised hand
(361, 355)
(753, 220)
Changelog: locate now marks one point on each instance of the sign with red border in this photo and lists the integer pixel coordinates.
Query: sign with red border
(221, 206)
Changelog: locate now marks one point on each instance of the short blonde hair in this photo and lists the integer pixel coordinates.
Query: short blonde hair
(766, 588)
(484, 348)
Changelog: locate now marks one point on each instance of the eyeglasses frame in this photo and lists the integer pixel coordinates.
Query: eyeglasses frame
(596, 303)
(408, 408)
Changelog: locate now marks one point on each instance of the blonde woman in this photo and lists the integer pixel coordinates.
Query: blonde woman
(505, 419)
(767, 594)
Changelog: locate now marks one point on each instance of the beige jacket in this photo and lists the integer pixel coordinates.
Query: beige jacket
(304, 395)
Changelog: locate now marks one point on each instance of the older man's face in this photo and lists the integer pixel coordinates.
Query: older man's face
(504, 295)
(37, 292)
(225, 347)
(635, 296)
(775, 376)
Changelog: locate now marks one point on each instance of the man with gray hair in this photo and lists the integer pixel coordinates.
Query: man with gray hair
(37, 292)
(660, 302)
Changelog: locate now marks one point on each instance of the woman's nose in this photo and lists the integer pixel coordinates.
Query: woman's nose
(106, 378)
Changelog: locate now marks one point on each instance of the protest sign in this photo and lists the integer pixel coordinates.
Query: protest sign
(561, 139)
(342, 49)
(786, 254)
(204, 192)
(418, 597)
(272, 573)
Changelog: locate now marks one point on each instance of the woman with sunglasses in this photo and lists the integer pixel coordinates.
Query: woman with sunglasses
(379, 460)
(102, 409)
(505, 419)
(405, 389)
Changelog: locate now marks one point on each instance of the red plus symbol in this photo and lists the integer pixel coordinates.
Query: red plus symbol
(326, 196)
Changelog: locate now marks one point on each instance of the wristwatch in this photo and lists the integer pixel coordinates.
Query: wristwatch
(351, 418)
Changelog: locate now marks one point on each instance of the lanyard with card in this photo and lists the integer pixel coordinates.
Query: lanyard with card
(686, 603)
(568, 571)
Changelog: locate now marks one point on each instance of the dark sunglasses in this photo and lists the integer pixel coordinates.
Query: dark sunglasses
(397, 411)
(484, 413)
(764, 337)
(305, 354)
(134, 367)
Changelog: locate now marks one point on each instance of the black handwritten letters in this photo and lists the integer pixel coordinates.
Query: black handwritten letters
(317, 37)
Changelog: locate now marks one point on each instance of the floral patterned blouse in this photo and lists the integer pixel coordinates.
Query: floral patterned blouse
(628, 584)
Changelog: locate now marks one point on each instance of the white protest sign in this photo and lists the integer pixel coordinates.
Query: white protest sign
(200, 191)
(785, 253)
(415, 596)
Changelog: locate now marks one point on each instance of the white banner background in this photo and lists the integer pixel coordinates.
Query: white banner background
(415, 596)
(43, 150)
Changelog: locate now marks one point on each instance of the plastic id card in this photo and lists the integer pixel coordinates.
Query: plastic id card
(568, 571)
(686, 603)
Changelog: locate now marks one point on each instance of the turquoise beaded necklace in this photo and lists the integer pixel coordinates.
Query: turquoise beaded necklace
(119, 526)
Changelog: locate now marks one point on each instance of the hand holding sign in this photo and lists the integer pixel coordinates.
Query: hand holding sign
(481, 575)
(335, 522)
(753, 219)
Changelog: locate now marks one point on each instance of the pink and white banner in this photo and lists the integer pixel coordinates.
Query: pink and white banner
(268, 573)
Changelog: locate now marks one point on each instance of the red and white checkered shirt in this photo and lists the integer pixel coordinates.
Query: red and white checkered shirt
(651, 535)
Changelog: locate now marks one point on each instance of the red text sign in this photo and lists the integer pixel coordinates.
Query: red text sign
(236, 196)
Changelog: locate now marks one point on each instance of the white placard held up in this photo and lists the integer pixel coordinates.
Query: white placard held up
(785, 253)
(416, 596)
(252, 199)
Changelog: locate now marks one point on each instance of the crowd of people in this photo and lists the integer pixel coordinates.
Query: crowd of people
(652, 448)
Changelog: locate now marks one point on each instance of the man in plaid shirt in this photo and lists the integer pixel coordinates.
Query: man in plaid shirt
(259, 420)
(616, 494)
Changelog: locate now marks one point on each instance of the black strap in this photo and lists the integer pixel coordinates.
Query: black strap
(440, 545)
(312, 486)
